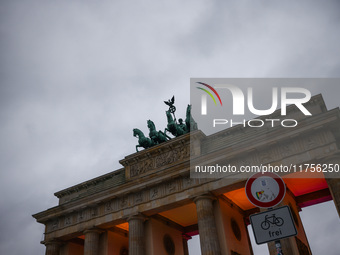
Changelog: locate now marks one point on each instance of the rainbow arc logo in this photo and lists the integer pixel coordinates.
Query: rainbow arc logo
(209, 93)
(204, 97)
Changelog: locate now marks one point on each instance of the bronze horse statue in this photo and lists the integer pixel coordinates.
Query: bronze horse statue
(143, 141)
(189, 121)
(175, 128)
(172, 126)
(157, 137)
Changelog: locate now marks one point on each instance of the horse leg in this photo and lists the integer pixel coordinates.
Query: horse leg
(165, 135)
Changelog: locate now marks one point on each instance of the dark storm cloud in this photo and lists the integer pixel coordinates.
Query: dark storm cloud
(77, 77)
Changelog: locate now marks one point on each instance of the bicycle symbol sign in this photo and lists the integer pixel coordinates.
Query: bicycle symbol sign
(273, 225)
(271, 220)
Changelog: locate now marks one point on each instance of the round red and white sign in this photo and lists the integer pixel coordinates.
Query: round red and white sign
(265, 189)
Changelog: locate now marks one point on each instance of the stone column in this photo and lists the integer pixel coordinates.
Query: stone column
(206, 225)
(52, 247)
(333, 181)
(185, 243)
(91, 244)
(334, 188)
(136, 235)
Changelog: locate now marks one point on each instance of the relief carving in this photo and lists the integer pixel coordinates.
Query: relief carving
(311, 142)
(172, 156)
(108, 206)
(171, 186)
(154, 193)
(80, 215)
(93, 212)
(123, 202)
(67, 220)
(55, 224)
(286, 149)
(138, 197)
(246, 160)
(142, 167)
(161, 160)
(266, 156)
(187, 181)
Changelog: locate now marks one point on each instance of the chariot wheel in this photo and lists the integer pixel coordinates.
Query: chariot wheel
(172, 109)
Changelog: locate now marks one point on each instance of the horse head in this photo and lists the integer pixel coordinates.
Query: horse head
(151, 125)
(189, 108)
(135, 132)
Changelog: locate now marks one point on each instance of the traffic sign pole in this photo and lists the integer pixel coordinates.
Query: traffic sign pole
(278, 247)
(277, 242)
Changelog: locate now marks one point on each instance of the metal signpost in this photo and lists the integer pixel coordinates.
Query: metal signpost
(266, 190)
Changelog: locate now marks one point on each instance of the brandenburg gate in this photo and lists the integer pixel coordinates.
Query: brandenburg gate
(151, 206)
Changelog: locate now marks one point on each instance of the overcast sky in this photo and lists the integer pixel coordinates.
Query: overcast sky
(77, 76)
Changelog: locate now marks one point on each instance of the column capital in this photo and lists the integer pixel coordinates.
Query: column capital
(204, 196)
(52, 246)
(138, 216)
(55, 242)
(93, 230)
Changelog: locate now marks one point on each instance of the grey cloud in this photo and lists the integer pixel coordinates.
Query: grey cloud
(76, 77)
